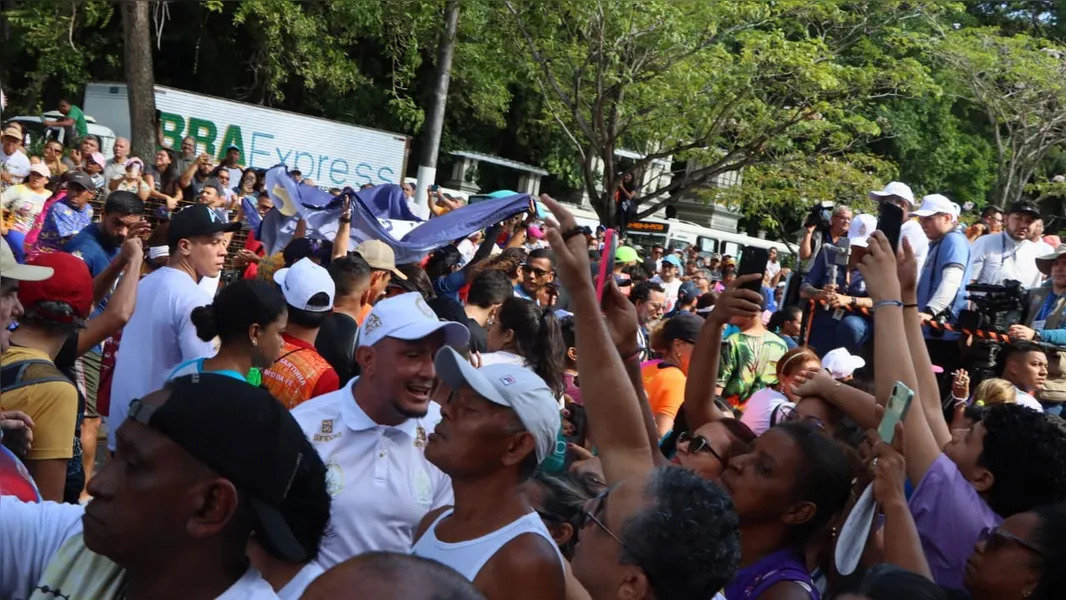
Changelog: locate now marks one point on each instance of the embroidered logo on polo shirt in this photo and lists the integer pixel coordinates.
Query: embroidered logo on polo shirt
(507, 380)
(327, 425)
(420, 437)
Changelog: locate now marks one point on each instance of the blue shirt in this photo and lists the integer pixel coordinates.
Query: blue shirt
(63, 221)
(92, 246)
(952, 249)
(450, 284)
(818, 277)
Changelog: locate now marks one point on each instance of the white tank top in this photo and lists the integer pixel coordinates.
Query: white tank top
(468, 557)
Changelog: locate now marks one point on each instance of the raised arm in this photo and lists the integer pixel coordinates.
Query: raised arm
(615, 420)
(701, 382)
(902, 546)
(928, 391)
(892, 354)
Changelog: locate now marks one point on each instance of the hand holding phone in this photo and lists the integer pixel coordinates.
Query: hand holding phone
(899, 401)
(753, 260)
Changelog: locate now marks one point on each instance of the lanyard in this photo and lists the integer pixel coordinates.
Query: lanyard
(1046, 308)
(1003, 250)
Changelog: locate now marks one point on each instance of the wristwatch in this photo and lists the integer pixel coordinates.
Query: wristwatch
(1036, 335)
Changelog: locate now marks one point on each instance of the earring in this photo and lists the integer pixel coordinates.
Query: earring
(255, 341)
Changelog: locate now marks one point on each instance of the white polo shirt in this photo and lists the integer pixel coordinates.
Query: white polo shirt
(381, 483)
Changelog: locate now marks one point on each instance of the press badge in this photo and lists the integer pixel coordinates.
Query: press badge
(838, 314)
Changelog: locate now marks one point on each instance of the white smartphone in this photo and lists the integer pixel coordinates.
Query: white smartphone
(895, 409)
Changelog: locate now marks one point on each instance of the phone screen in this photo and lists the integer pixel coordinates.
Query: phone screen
(610, 246)
(889, 222)
(895, 409)
(753, 260)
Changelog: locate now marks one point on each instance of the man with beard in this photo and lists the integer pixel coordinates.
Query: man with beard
(201, 464)
(372, 432)
(1008, 255)
(498, 423)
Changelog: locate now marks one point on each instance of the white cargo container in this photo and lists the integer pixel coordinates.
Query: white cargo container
(330, 153)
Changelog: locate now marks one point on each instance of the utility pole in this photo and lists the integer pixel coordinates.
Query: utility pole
(427, 166)
(140, 81)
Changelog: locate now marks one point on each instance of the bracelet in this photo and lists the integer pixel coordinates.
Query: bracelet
(345, 220)
(910, 306)
(634, 354)
(881, 303)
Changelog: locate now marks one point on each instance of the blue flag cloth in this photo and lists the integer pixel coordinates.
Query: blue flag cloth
(251, 212)
(380, 213)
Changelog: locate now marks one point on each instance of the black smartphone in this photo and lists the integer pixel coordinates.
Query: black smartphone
(889, 222)
(753, 260)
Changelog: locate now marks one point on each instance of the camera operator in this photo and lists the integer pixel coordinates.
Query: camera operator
(818, 233)
(1046, 322)
(832, 326)
(940, 282)
(997, 257)
(901, 195)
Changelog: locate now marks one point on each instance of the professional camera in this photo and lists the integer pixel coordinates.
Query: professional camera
(998, 307)
(819, 215)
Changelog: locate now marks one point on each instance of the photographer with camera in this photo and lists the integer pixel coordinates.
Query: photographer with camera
(1046, 322)
(834, 281)
(822, 228)
(940, 283)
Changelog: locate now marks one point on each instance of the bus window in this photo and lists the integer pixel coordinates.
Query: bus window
(732, 249)
(706, 244)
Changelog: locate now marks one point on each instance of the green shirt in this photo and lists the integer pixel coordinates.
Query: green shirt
(79, 121)
(748, 364)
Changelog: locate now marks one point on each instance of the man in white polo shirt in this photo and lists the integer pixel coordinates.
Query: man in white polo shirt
(372, 432)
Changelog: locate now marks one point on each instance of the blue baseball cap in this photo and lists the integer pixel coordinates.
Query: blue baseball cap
(673, 259)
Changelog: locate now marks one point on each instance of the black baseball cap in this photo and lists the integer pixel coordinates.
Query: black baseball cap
(242, 433)
(683, 326)
(1023, 206)
(197, 220)
(81, 179)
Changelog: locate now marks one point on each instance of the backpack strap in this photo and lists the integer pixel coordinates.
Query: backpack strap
(13, 376)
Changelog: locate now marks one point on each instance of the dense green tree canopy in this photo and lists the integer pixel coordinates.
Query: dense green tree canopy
(814, 99)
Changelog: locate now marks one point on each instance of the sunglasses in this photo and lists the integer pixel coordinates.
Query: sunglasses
(790, 414)
(697, 444)
(598, 505)
(534, 270)
(995, 538)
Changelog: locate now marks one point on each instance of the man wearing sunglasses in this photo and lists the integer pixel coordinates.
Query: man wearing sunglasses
(498, 423)
(537, 272)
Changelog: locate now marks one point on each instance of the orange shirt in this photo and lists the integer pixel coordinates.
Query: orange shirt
(363, 313)
(300, 374)
(664, 385)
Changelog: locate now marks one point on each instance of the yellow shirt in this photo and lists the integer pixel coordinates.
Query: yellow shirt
(53, 406)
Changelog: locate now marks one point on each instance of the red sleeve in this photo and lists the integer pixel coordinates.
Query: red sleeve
(327, 382)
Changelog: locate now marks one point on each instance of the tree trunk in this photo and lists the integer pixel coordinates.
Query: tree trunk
(427, 166)
(140, 81)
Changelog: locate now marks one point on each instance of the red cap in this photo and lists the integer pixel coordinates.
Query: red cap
(71, 284)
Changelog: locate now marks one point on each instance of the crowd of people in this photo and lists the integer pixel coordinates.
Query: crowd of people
(494, 421)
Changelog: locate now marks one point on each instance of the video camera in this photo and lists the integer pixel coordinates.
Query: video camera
(819, 215)
(998, 307)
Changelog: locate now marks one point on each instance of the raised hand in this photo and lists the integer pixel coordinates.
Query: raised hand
(888, 468)
(568, 245)
(736, 301)
(878, 269)
(621, 318)
(907, 271)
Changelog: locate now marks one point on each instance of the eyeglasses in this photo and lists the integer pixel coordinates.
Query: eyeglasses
(697, 444)
(995, 538)
(599, 504)
(790, 414)
(534, 270)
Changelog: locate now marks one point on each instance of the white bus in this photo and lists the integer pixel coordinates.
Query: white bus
(673, 234)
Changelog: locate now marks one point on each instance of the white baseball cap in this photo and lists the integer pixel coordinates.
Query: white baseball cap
(408, 317)
(300, 282)
(897, 189)
(861, 228)
(513, 386)
(12, 269)
(841, 364)
(935, 204)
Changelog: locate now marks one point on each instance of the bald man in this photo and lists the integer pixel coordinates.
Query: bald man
(391, 575)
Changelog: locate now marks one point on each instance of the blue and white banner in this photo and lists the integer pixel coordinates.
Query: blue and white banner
(379, 213)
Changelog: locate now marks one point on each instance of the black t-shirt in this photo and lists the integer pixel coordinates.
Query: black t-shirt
(336, 344)
(479, 337)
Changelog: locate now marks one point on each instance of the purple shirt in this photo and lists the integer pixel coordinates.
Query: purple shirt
(949, 516)
(755, 579)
